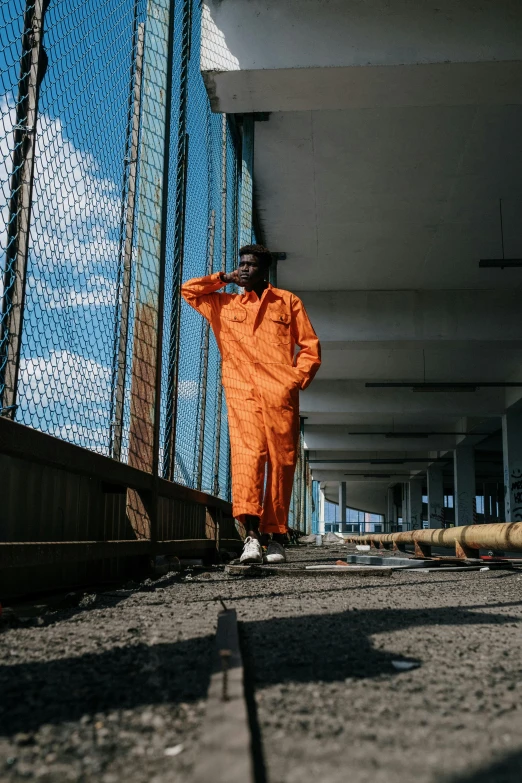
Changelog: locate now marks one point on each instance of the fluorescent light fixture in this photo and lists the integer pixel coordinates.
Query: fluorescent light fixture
(450, 386)
(499, 263)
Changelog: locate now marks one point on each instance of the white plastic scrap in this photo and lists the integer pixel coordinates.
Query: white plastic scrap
(174, 751)
(404, 666)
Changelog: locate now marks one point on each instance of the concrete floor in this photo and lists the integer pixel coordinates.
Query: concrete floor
(100, 689)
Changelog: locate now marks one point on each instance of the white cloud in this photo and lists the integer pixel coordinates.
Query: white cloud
(75, 216)
(68, 395)
(188, 390)
(98, 291)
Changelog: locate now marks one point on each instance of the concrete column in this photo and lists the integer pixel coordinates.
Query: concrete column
(435, 497)
(501, 500)
(464, 473)
(490, 502)
(415, 504)
(390, 511)
(342, 506)
(404, 506)
(320, 522)
(512, 448)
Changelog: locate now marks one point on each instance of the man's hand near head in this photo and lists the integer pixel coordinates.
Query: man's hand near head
(230, 277)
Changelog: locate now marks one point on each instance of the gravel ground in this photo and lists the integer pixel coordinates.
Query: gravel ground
(102, 689)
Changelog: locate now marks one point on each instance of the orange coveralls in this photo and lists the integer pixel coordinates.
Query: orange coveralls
(261, 377)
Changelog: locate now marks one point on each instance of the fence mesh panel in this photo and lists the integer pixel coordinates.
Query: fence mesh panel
(80, 182)
(81, 276)
(12, 50)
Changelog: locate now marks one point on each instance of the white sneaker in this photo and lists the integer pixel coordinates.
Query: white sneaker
(275, 553)
(252, 552)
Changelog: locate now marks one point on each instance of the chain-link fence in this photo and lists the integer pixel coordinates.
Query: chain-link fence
(71, 121)
(96, 346)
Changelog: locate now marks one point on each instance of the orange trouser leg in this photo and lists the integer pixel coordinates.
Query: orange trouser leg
(248, 447)
(282, 432)
(281, 417)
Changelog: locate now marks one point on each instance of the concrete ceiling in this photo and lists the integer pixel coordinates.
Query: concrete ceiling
(397, 200)
(391, 198)
(394, 130)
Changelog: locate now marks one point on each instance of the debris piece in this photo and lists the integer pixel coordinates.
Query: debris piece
(362, 547)
(341, 563)
(486, 568)
(175, 750)
(333, 538)
(404, 666)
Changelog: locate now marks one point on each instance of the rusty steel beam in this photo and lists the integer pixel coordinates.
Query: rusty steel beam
(144, 434)
(467, 540)
(24, 443)
(23, 554)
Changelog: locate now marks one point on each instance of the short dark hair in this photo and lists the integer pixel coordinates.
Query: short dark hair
(262, 253)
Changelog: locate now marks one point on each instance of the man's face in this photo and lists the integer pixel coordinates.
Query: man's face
(250, 272)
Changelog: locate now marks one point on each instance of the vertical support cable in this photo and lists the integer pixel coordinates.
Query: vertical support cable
(219, 412)
(179, 240)
(33, 64)
(150, 267)
(121, 363)
(204, 357)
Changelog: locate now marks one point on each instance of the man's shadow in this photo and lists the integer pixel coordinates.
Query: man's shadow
(332, 647)
(328, 647)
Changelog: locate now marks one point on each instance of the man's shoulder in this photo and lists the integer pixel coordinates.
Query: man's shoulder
(287, 296)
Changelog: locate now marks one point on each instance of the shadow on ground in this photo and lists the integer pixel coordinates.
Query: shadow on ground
(328, 647)
(506, 770)
(122, 678)
(331, 647)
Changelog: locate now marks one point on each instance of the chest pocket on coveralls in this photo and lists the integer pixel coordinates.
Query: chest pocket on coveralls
(233, 323)
(279, 325)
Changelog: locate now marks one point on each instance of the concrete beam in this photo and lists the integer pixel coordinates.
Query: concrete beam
(281, 34)
(275, 55)
(363, 496)
(331, 437)
(352, 397)
(411, 319)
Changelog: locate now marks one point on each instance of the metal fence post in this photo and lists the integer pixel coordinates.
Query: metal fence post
(150, 271)
(127, 249)
(169, 462)
(204, 357)
(33, 64)
(219, 412)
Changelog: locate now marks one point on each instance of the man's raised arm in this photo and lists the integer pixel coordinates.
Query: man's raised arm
(198, 292)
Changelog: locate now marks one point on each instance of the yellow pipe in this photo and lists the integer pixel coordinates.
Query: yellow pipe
(498, 535)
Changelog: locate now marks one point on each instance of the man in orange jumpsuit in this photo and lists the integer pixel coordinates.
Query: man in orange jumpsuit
(256, 333)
